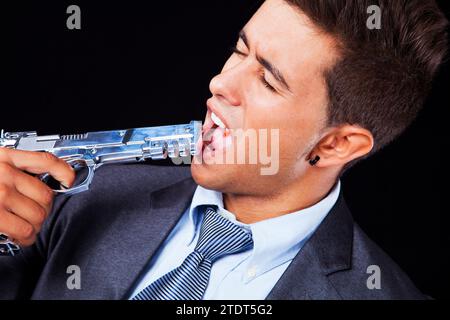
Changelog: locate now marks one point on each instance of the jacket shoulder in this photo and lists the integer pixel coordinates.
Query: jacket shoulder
(129, 176)
(373, 274)
(115, 189)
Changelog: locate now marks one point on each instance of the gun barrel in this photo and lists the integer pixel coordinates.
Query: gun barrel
(30, 141)
(94, 149)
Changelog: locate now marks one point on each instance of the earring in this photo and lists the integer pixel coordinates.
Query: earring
(314, 161)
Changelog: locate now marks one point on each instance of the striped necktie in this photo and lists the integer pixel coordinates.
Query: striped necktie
(218, 237)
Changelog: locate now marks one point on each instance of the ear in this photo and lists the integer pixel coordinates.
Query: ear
(342, 144)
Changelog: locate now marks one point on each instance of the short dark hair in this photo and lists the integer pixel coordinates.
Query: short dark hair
(383, 75)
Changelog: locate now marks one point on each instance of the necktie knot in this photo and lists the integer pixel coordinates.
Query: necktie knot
(219, 236)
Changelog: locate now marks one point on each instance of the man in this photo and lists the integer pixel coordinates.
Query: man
(336, 91)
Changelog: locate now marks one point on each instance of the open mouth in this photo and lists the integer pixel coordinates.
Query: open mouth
(217, 121)
(215, 133)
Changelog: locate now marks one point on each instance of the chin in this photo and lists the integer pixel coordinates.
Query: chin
(209, 177)
(218, 177)
(224, 178)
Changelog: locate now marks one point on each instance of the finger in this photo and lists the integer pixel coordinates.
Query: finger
(38, 163)
(26, 209)
(17, 229)
(33, 188)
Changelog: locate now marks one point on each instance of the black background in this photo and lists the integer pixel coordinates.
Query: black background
(137, 65)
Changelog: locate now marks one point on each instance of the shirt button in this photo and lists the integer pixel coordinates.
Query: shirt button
(251, 272)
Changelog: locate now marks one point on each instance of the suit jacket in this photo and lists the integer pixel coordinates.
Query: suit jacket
(111, 231)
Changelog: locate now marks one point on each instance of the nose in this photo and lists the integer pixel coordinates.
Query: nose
(226, 87)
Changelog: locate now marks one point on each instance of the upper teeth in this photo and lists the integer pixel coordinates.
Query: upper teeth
(217, 120)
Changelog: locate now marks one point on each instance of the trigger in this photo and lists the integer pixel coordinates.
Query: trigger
(51, 182)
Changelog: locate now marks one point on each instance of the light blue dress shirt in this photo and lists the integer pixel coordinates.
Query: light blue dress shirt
(247, 275)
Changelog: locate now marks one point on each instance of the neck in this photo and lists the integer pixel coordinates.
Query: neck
(294, 197)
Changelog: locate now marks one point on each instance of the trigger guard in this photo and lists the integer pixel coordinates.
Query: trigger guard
(83, 186)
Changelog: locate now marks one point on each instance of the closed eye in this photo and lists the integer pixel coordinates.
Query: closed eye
(262, 77)
(234, 49)
(266, 83)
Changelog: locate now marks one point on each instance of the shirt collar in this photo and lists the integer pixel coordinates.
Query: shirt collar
(276, 240)
(201, 197)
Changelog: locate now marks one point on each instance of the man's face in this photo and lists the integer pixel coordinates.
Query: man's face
(274, 80)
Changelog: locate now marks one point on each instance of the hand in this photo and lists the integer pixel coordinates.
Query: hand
(25, 201)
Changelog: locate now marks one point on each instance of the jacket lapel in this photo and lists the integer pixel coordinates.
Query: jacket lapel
(167, 207)
(134, 245)
(327, 251)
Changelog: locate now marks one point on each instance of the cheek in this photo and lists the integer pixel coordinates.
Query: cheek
(291, 118)
(298, 125)
(301, 130)
(262, 111)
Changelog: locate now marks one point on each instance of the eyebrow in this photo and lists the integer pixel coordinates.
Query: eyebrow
(265, 63)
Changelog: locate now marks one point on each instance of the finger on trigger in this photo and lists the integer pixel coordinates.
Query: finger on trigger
(43, 162)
